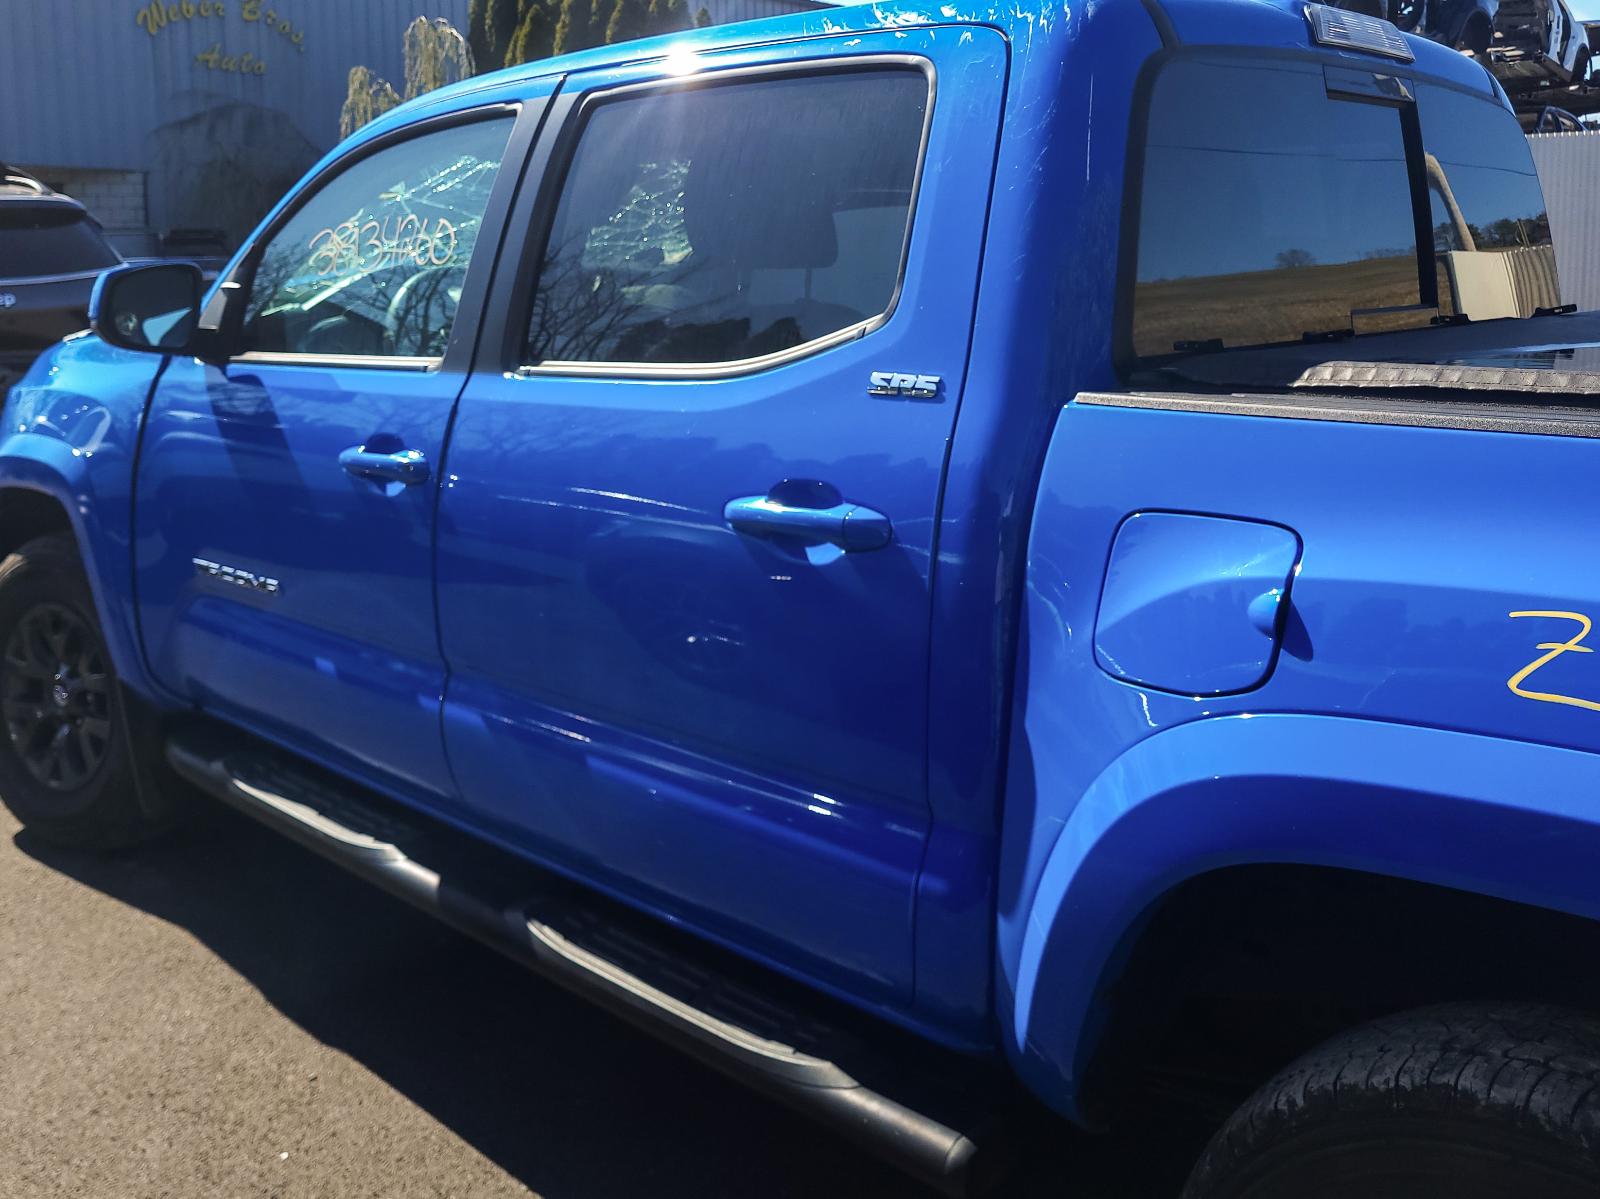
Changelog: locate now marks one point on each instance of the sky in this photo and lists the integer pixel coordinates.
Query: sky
(1586, 10)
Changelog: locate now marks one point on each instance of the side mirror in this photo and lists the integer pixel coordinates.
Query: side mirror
(153, 308)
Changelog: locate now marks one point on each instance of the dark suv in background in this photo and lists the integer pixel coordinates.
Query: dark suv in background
(51, 251)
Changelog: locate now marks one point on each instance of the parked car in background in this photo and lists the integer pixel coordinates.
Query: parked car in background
(51, 251)
(1550, 118)
(1538, 44)
(208, 249)
(1466, 25)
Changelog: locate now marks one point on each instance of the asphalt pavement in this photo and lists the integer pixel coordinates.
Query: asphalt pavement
(224, 1016)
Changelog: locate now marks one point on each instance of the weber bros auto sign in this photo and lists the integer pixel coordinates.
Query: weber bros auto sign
(226, 16)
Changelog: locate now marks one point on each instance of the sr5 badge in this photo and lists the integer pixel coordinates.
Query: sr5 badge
(903, 386)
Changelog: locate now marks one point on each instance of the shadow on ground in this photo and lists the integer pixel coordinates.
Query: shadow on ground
(563, 1097)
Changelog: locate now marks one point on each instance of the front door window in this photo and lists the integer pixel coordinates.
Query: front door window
(373, 264)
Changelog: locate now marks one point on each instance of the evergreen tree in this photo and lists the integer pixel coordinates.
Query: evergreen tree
(491, 24)
(478, 33)
(667, 16)
(581, 25)
(599, 16)
(565, 39)
(629, 19)
(540, 28)
(536, 32)
(702, 19)
(504, 18)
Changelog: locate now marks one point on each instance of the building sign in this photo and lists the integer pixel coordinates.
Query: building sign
(158, 14)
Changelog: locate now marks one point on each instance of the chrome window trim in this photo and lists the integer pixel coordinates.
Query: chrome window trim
(705, 370)
(394, 362)
(730, 77)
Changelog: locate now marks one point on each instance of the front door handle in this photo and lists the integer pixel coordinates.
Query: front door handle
(848, 526)
(402, 466)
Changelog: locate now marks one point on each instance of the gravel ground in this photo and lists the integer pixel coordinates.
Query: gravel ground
(224, 1015)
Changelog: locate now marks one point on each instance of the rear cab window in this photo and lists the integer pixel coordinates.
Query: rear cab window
(1282, 200)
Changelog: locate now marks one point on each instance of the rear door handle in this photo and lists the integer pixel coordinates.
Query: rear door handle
(848, 526)
(401, 466)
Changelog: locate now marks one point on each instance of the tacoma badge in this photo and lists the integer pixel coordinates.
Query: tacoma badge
(240, 578)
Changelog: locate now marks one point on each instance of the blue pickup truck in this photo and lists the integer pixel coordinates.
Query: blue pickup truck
(949, 561)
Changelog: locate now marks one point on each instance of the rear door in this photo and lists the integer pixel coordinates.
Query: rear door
(686, 539)
(285, 506)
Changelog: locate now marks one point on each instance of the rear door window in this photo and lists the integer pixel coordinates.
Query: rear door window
(36, 240)
(730, 222)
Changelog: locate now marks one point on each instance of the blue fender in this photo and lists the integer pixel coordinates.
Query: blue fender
(70, 430)
(1510, 819)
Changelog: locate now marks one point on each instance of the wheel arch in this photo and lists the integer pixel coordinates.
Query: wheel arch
(45, 489)
(26, 513)
(1512, 821)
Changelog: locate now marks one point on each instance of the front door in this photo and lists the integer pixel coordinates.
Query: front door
(686, 539)
(285, 499)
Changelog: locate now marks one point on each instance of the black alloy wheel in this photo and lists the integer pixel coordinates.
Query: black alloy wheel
(55, 696)
(70, 769)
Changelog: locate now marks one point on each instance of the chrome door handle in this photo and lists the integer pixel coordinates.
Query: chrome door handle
(848, 526)
(401, 466)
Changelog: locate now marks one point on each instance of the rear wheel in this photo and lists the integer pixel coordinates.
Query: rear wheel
(1464, 1101)
(66, 770)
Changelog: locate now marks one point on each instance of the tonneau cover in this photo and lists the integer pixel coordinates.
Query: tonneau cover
(1557, 354)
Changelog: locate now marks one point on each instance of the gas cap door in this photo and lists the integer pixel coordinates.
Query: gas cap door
(1194, 604)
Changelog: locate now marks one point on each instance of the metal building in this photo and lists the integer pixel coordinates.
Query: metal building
(1569, 169)
(165, 115)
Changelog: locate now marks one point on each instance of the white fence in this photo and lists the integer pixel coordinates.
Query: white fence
(1569, 169)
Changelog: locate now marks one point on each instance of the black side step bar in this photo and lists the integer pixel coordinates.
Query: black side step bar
(622, 961)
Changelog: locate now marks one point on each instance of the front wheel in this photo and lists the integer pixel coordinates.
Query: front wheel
(1465, 1101)
(66, 767)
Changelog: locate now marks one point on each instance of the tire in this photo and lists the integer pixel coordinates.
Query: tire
(66, 766)
(1465, 1101)
(1406, 14)
(1476, 36)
